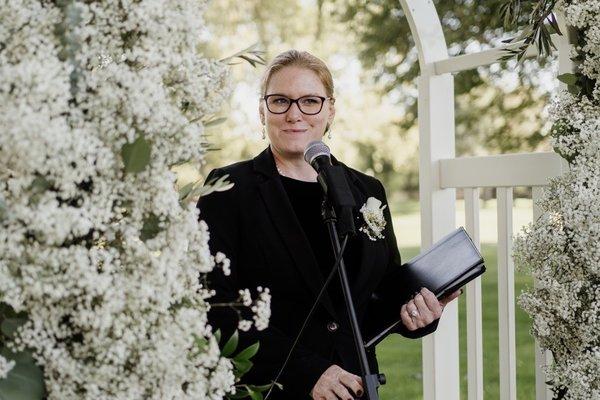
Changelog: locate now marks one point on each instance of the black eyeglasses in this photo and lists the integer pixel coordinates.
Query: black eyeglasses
(309, 105)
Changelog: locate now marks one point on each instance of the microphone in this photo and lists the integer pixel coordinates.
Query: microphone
(318, 155)
(333, 182)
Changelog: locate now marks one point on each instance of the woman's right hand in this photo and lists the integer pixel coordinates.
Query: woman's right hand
(336, 383)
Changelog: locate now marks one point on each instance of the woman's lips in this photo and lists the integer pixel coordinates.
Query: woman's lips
(294, 130)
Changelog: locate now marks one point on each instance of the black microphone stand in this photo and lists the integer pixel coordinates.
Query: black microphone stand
(370, 381)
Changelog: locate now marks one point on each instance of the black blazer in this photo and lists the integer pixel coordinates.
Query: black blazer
(254, 224)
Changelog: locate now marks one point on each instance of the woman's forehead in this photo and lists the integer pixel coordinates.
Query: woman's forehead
(296, 81)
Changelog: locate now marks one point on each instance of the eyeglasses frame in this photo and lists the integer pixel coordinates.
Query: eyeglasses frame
(292, 101)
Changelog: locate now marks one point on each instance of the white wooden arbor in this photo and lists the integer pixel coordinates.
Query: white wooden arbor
(440, 174)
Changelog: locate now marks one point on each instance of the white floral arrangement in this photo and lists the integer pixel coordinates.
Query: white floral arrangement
(372, 213)
(562, 247)
(99, 259)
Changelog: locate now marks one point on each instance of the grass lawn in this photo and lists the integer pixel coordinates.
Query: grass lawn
(400, 358)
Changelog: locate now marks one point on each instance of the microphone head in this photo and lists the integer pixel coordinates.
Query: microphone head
(315, 149)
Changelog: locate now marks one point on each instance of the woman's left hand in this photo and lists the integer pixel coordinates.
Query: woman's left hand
(424, 308)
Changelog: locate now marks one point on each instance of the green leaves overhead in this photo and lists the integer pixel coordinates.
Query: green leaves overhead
(136, 155)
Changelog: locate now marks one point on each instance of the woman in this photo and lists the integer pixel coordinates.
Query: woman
(270, 228)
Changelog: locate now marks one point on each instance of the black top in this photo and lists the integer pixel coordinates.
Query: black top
(306, 198)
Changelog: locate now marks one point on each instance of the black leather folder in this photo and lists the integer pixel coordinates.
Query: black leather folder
(449, 264)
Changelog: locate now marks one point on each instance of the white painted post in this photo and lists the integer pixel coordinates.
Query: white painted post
(474, 314)
(436, 142)
(506, 297)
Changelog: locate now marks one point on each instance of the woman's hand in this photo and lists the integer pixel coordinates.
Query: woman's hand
(334, 384)
(424, 308)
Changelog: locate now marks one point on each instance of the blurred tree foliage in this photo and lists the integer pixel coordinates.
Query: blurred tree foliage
(491, 115)
(498, 108)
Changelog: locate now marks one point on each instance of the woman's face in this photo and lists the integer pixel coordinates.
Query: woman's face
(290, 132)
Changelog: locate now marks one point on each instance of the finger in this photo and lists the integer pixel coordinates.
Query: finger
(351, 382)
(406, 319)
(425, 314)
(432, 302)
(411, 306)
(342, 392)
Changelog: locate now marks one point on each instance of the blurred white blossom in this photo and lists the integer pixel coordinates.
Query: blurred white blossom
(106, 263)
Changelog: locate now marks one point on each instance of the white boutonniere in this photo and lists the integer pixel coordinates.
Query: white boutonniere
(373, 217)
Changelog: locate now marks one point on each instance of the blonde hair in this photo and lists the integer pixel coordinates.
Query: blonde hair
(298, 59)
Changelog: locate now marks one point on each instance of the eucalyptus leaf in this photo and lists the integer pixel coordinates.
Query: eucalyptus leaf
(150, 228)
(10, 325)
(568, 78)
(185, 190)
(239, 394)
(254, 395)
(136, 155)
(242, 366)
(3, 210)
(247, 353)
(214, 122)
(231, 345)
(25, 381)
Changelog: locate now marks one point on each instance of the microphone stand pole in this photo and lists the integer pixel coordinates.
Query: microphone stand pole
(370, 381)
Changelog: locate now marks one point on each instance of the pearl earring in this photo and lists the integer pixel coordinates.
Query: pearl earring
(263, 132)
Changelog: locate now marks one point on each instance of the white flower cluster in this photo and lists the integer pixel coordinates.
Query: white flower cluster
(113, 301)
(585, 16)
(260, 307)
(5, 367)
(562, 248)
(374, 219)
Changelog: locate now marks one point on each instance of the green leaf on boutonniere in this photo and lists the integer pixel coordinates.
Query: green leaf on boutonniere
(136, 155)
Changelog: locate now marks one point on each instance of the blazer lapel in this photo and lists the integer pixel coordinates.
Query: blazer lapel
(371, 265)
(283, 217)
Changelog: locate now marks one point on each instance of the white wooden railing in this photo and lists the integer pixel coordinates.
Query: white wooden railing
(502, 172)
(440, 174)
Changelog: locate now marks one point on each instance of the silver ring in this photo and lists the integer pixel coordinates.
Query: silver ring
(414, 313)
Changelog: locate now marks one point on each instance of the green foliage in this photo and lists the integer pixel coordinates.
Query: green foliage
(3, 210)
(25, 381)
(540, 25)
(151, 227)
(241, 365)
(252, 55)
(136, 155)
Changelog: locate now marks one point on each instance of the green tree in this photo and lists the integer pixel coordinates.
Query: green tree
(490, 117)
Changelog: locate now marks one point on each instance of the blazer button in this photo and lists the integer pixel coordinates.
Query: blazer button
(332, 326)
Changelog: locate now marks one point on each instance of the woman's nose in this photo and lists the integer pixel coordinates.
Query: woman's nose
(293, 113)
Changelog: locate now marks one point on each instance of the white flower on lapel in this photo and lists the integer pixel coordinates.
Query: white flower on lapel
(373, 217)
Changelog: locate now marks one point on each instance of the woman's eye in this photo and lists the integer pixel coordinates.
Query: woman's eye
(309, 101)
(280, 100)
